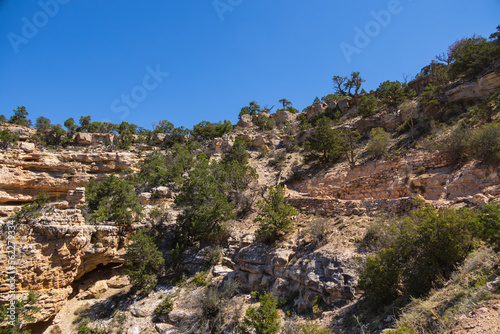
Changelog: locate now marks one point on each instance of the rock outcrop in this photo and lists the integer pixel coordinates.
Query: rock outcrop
(24, 175)
(22, 132)
(391, 185)
(474, 91)
(84, 138)
(324, 273)
(53, 253)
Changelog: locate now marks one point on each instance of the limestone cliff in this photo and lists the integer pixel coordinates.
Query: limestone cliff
(55, 252)
(24, 175)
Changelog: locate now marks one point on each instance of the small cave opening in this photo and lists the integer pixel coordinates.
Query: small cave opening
(39, 327)
(101, 272)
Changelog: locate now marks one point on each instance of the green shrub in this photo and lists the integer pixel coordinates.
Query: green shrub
(143, 261)
(393, 93)
(113, 199)
(205, 204)
(54, 135)
(408, 262)
(213, 256)
(318, 228)
(234, 176)
(368, 106)
(213, 307)
(264, 319)
(472, 57)
(377, 145)
(380, 278)
(276, 216)
(266, 123)
(7, 139)
(207, 131)
(84, 329)
(312, 329)
(456, 145)
(163, 310)
(324, 143)
(200, 279)
(24, 313)
(486, 144)
(20, 117)
(29, 212)
(434, 102)
(159, 169)
(402, 330)
(126, 133)
(238, 151)
(333, 114)
(252, 109)
(487, 225)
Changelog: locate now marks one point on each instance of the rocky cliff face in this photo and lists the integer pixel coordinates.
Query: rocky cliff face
(391, 185)
(24, 175)
(60, 247)
(55, 252)
(301, 278)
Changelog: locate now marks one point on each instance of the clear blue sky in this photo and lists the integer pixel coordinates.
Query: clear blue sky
(84, 57)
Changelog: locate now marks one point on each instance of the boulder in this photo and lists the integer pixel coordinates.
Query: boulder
(315, 109)
(343, 105)
(283, 115)
(94, 291)
(257, 118)
(159, 138)
(254, 253)
(145, 198)
(280, 257)
(162, 192)
(117, 282)
(166, 329)
(280, 287)
(143, 308)
(102, 138)
(245, 121)
(258, 142)
(221, 271)
(83, 138)
(217, 144)
(27, 147)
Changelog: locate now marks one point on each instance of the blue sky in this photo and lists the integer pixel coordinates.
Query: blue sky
(189, 61)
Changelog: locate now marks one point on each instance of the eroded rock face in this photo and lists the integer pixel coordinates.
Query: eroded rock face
(315, 109)
(473, 91)
(23, 175)
(387, 121)
(84, 138)
(283, 115)
(27, 147)
(245, 121)
(55, 252)
(24, 133)
(392, 185)
(323, 273)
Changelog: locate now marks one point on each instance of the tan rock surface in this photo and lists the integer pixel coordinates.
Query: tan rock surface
(58, 250)
(391, 185)
(24, 175)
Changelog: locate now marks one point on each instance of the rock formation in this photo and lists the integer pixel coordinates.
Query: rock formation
(24, 175)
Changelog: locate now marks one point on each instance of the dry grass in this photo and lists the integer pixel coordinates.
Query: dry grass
(466, 289)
